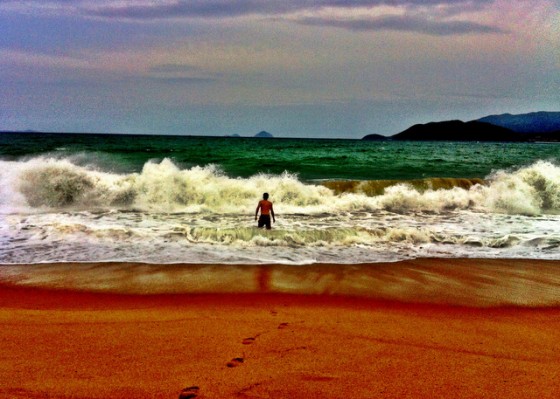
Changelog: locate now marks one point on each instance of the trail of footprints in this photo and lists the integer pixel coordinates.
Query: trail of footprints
(248, 341)
(192, 392)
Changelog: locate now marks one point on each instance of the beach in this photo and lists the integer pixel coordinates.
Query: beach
(269, 339)
(133, 268)
(279, 199)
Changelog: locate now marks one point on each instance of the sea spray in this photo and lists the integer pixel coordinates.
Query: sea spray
(54, 183)
(164, 200)
(531, 190)
(58, 183)
(72, 208)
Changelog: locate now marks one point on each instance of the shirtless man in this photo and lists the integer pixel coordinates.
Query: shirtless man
(266, 211)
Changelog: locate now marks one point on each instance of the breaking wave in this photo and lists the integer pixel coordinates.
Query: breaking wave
(62, 183)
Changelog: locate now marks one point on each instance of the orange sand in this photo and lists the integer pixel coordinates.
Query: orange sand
(65, 344)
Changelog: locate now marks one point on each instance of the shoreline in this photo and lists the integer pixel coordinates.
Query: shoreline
(471, 282)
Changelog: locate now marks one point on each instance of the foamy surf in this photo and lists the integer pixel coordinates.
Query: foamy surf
(42, 184)
(72, 209)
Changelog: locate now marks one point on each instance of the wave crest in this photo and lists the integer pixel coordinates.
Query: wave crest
(163, 186)
(532, 190)
(160, 186)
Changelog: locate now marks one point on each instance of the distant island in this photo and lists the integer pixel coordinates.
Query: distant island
(532, 127)
(458, 131)
(261, 134)
(264, 134)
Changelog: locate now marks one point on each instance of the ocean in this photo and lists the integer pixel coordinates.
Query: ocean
(170, 199)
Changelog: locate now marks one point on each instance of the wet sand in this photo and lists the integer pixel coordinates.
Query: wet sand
(269, 342)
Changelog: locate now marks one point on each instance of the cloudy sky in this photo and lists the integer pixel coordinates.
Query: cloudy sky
(296, 68)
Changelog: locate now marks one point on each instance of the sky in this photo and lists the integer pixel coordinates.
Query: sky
(308, 68)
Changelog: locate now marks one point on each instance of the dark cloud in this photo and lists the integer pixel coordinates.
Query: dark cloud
(220, 8)
(112, 9)
(405, 23)
(233, 8)
(437, 23)
(193, 9)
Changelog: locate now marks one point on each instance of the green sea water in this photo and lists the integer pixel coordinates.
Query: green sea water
(309, 159)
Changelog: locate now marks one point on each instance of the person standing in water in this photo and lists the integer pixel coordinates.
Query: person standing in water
(266, 212)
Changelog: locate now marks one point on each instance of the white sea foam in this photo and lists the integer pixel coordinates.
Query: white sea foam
(68, 209)
(59, 183)
(54, 183)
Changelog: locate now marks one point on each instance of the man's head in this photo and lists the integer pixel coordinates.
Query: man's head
(265, 196)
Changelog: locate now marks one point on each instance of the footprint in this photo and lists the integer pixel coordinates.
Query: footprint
(248, 341)
(282, 326)
(236, 361)
(189, 392)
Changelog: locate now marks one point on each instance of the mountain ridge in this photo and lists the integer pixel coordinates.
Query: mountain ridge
(533, 122)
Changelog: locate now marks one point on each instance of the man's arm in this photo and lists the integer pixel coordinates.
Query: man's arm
(272, 213)
(257, 211)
